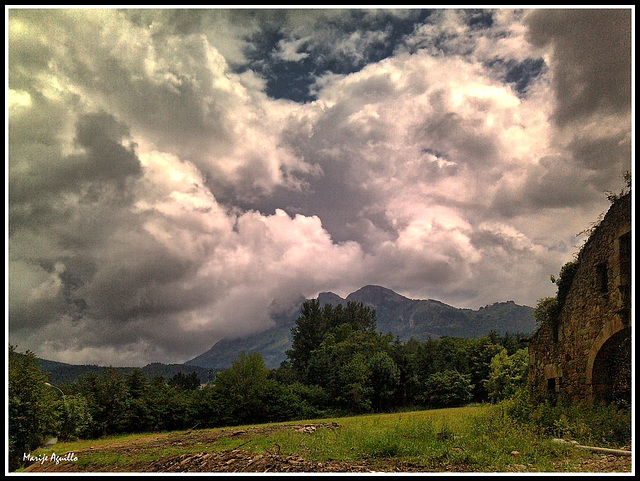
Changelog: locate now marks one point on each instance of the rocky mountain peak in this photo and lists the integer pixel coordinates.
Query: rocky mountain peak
(374, 295)
(330, 298)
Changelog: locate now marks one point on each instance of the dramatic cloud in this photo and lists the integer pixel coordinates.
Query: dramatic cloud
(591, 59)
(175, 174)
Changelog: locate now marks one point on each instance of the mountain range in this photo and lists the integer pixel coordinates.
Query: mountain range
(62, 372)
(404, 317)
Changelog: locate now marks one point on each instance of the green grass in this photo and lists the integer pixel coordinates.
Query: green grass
(471, 439)
(399, 436)
(475, 438)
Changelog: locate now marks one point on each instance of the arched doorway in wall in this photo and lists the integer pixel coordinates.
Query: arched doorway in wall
(610, 369)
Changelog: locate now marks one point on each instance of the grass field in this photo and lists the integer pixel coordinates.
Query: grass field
(470, 439)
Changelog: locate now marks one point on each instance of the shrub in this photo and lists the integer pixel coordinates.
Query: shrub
(519, 406)
(546, 312)
(600, 424)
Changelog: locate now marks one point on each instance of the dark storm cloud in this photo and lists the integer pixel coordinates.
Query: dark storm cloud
(72, 203)
(106, 160)
(591, 59)
(101, 136)
(604, 153)
(555, 182)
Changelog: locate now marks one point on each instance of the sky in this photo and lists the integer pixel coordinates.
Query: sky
(177, 176)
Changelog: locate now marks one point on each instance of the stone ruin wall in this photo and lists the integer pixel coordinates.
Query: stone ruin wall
(566, 359)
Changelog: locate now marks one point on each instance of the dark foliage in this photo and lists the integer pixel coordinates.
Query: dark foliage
(31, 406)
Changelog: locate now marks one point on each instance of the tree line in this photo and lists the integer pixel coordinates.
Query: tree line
(338, 364)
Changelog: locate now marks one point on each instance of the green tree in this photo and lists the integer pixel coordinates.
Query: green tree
(109, 401)
(546, 312)
(136, 383)
(479, 354)
(312, 400)
(384, 378)
(74, 417)
(307, 335)
(355, 368)
(447, 389)
(153, 411)
(355, 391)
(564, 281)
(358, 316)
(508, 374)
(403, 355)
(191, 382)
(186, 382)
(437, 355)
(315, 323)
(241, 387)
(31, 406)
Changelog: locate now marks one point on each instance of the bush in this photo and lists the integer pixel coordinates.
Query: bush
(312, 400)
(519, 406)
(600, 424)
(588, 424)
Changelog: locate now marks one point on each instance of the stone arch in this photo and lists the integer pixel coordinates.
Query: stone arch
(609, 364)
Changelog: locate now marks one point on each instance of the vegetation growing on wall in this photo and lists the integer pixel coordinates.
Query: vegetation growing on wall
(547, 310)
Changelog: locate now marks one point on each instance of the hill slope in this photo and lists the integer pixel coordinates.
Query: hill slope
(403, 317)
(60, 372)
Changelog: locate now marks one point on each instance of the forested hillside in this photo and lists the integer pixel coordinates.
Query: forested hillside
(60, 372)
(404, 318)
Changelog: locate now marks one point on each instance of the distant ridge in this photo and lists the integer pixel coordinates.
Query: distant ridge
(61, 372)
(403, 317)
